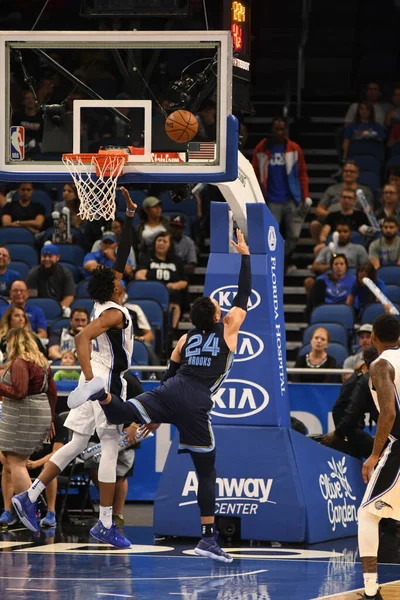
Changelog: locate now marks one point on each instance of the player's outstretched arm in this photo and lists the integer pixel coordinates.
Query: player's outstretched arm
(382, 376)
(237, 314)
(125, 243)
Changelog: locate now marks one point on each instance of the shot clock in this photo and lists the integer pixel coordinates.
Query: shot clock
(237, 19)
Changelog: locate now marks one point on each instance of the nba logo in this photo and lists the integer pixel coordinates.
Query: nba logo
(17, 143)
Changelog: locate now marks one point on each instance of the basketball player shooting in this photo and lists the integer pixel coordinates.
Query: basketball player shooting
(198, 366)
(380, 470)
(104, 349)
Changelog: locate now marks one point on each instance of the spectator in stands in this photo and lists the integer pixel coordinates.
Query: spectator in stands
(364, 128)
(390, 204)
(364, 341)
(152, 223)
(31, 119)
(184, 246)
(372, 96)
(50, 279)
(142, 330)
(163, 266)
(386, 250)
(24, 213)
(106, 256)
(332, 287)
(393, 113)
(207, 124)
(7, 276)
(116, 228)
(282, 172)
(16, 318)
(19, 295)
(63, 340)
(394, 176)
(68, 359)
(347, 214)
(70, 200)
(360, 296)
(331, 197)
(317, 358)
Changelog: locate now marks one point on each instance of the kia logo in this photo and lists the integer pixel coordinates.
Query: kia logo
(271, 238)
(224, 296)
(249, 346)
(238, 398)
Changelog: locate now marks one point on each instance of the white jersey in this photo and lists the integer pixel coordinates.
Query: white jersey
(392, 356)
(113, 349)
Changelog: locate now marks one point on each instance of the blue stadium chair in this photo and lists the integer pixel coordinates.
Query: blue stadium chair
(333, 313)
(374, 310)
(337, 332)
(337, 351)
(395, 149)
(3, 302)
(72, 254)
(371, 179)
(16, 235)
(23, 252)
(367, 162)
(153, 290)
(140, 354)
(84, 303)
(390, 275)
(51, 308)
(59, 324)
(393, 293)
(20, 266)
(40, 197)
(76, 271)
(355, 238)
(156, 317)
(81, 289)
(358, 148)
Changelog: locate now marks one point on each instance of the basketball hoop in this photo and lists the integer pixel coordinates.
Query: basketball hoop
(95, 177)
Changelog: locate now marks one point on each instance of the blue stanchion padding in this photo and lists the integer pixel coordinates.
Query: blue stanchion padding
(255, 392)
(282, 485)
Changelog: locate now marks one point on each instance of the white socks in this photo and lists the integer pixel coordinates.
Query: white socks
(35, 490)
(371, 583)
(106, 516)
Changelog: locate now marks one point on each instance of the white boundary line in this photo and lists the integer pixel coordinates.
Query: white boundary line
(226, 575)
(353, 591)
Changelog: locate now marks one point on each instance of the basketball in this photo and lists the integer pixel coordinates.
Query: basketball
(181, 126)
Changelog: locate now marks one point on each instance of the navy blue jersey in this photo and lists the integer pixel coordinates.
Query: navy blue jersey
(206, 358)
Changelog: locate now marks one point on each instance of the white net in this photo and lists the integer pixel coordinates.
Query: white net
(95, 177)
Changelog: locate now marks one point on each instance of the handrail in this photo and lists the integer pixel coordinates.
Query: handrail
(306, 7)
(158, 369)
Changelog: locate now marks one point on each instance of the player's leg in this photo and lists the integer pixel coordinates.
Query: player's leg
(25, 503)
(121, 491)
(368, 544)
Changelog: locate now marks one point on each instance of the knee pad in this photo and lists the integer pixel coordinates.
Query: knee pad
(67, 453)
(109, 455)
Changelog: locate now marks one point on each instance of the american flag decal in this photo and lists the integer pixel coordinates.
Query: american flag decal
(201, 151)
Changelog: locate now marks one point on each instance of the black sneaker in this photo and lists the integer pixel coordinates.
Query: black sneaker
(376, 597)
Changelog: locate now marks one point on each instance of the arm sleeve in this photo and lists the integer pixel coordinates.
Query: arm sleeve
(124, 246)
(244, 283)
(52, 394)
(172, 370)
(18, 390)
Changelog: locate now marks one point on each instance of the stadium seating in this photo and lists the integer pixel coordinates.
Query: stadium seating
(149, 289)
(59, 324)
(140, 354)
(81, 289)
(40, 197)
(390, 275)
(372, 311)
(333, 313)
(358, 148)
(337, 333)
(24, 253)
(84, 303)
(72, 253)
(156, 317)
(337, 351)
(16, 235)
(20, 266)
(76, 271)
(51, 308)
(366, 162)
(393, 293)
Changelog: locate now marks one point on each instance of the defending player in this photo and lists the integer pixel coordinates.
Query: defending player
(381, 469)
(104, 348)
(199, 364)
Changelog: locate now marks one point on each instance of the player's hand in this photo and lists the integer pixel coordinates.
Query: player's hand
(368, 467)
(130, 205)
(241, 245)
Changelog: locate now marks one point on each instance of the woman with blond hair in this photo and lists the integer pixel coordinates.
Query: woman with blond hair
(29, 401)
(15, 317)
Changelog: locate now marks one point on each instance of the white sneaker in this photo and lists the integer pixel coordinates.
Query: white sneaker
(83, 392)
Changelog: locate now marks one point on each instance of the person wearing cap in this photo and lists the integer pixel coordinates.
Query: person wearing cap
(152, 222)
(106, 256)
(50, 279)
(183, 245)
(355, 360)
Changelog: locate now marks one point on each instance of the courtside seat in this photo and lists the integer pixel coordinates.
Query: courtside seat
(337, 351)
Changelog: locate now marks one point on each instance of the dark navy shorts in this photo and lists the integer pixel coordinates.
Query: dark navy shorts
(183, 403)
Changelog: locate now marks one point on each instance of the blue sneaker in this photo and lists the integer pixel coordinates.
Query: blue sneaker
(92, 390)
(26, 511)
(8, 518)
(109, 536)
(209, 548)
(49, 520)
